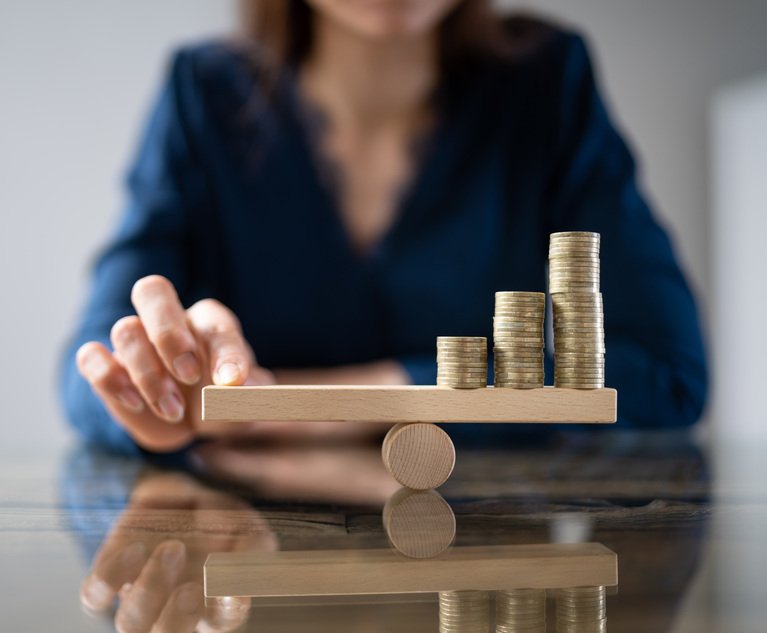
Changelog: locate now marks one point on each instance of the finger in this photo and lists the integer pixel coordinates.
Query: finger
(230, 355)
(142, 604)
(164, 319)
(108, 378)
(146, 370)
(183, 611)
(112, 570)
(225, 615)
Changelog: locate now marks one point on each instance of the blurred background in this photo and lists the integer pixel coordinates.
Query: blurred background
(686, 79)
(687, 83)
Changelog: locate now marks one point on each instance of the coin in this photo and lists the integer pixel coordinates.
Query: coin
(571, 275)
(565, 262)
(519, 295)
(462, 354)
(579, 366)
(520, 326)
(591, 235)
(562, 251)
(516, 364)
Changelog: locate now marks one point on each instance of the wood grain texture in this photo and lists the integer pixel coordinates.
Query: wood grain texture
(419, 456)
(392, 404)
(419, 524)
(384, 571)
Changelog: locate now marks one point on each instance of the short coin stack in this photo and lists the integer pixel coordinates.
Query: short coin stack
(520, 611)
(582, 610)
(462, 362)
(464, 612)
(579, 348)
(518, 339)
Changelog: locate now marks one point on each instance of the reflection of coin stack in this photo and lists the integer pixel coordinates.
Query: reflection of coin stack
(582, 610)
(579, 349)
(518, 339)
(520, 611)
(464, 611)
(462, 362)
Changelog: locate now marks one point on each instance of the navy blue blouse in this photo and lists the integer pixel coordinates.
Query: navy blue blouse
(226, 199)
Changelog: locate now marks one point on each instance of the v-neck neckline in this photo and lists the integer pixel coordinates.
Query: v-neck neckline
(432, 159)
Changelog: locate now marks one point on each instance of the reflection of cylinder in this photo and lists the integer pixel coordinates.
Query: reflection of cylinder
(464, 611)
(520, 611)
(419, 456)
(582, 610)
(419, 524)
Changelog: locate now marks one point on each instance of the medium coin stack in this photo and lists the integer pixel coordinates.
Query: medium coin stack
(462, 362)
(520, 611)
(582, 610)
(464, 612)
(579, 348)
(518, 339)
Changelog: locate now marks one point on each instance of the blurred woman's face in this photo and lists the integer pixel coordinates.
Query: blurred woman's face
(384, 19)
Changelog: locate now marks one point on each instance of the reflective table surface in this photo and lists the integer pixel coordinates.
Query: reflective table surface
(581, 530)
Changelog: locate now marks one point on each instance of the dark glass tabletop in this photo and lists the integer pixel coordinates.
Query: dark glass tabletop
(582, 530)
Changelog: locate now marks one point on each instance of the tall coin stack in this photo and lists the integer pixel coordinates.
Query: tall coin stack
(579, 346)
(464, 612)
(518, 339)
(582, 610)
(520, 611)
(462, 362)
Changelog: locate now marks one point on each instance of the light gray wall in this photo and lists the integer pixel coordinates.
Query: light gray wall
(76, 78)
(739, 257)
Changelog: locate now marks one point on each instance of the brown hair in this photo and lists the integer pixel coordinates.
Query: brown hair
(282, 32)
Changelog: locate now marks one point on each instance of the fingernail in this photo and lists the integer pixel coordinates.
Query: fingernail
(172, 555)
(187, 368)
(95, 594)
(227, 373)
(95, 367)
(189, 598)
(171, 407)
(130, 399)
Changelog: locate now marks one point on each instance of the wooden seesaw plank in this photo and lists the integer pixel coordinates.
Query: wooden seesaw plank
(395, 404)
(375, 572)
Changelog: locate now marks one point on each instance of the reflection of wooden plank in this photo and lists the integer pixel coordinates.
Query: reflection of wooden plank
(390, 404)
(363, 572)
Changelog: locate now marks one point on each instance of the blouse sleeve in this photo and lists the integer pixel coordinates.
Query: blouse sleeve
(654, 348)
(157, 234)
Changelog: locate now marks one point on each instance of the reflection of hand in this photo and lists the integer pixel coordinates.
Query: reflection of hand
(328, 473)
(153, 558)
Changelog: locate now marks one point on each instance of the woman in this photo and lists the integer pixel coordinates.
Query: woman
(351, 181)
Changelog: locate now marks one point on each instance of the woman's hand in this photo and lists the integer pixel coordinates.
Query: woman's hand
(162, 358)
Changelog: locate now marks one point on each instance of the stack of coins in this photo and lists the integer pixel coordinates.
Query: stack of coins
(518, 339)
(520, 611)
(462, 362)
(574, 262)
(579, 348)
(464, 612)
(582, 610)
